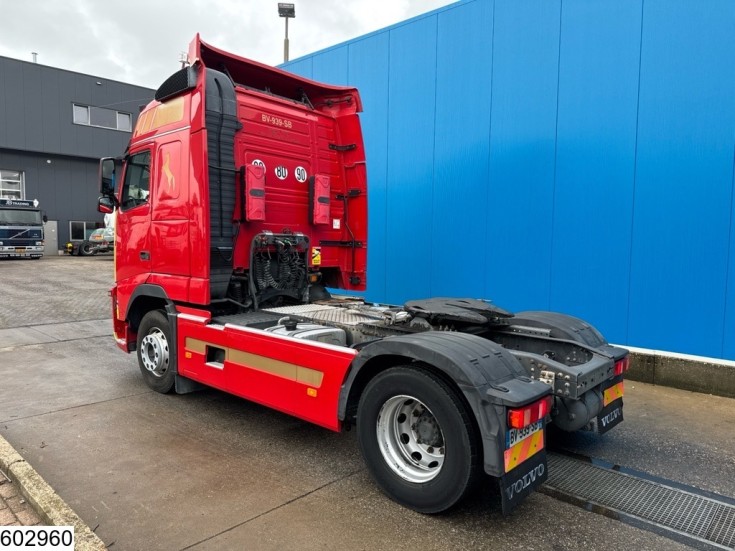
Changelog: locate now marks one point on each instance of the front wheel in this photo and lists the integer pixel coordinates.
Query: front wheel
(155, 356)
(418, 439)
(86, 249)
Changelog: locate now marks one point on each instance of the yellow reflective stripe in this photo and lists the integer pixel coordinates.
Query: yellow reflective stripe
(195, 345)
(287, 370)
(524, 449)
(293, 372)
(613, 393)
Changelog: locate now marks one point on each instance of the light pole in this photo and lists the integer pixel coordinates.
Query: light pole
(286, 11)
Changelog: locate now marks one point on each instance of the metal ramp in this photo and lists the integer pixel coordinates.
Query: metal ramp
(707, 522)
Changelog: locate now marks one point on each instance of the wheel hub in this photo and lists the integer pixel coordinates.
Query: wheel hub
(154, 352)
(410, 439)
(427, 430)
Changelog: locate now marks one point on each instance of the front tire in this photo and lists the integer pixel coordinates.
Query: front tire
(155, 352)
(85, 249)
(418, 439)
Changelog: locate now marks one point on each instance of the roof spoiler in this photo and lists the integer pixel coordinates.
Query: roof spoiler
(252, 74)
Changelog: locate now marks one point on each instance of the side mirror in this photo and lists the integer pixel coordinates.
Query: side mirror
(105, 205)
(107, 176)
(45, 218)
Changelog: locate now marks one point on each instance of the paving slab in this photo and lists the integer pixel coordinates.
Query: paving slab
(54, 289)
(54, 332)
(39, 379)
(14, 509)
(76, 329)
(21, 336)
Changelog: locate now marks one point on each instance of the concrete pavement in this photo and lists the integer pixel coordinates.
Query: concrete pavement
(210, 471)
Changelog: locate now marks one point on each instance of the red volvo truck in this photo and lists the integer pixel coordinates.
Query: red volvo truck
(241, 200)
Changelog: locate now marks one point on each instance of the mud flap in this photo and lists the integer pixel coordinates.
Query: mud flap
(184, 385)
(610, 416)
(521, 481)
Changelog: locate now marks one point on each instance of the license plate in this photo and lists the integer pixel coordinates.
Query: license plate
(20, 249)
(513, 436)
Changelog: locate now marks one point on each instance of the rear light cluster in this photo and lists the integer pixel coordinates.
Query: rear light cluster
(527, 415)
(621, 366)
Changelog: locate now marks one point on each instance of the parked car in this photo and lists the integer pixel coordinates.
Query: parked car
(101, 240)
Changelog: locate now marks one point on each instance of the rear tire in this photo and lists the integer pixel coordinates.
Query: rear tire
(155, 352)
(418, 439)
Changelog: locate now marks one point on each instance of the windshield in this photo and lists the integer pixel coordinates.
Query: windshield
(18, 217)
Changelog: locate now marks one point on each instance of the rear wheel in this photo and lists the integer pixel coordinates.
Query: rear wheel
(155, 357)
(418, 439)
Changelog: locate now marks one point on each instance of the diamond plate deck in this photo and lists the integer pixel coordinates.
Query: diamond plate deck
(329, 314)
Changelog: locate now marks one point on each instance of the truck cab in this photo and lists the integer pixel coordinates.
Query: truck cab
(21, 229)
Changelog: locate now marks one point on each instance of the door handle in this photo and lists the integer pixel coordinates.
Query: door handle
(145, 255)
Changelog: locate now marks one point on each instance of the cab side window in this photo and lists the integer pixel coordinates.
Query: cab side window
(137, 181)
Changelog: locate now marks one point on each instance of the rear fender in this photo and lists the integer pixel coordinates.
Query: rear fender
(561, 326)
(489, 378)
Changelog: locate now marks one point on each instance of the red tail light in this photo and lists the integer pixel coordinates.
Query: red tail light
(522, 417)
(621, 366)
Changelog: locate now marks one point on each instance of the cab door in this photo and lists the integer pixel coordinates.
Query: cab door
(170, 263)
(132, 232)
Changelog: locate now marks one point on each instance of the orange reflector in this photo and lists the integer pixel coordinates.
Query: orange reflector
(311, 392)
(522, 417)
(613, 393)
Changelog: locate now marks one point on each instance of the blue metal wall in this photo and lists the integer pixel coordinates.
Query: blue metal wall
(574, 155)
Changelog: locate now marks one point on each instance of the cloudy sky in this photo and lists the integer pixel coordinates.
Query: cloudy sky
(140, 42)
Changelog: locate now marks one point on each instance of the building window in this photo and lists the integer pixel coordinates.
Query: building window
(81, 114)
(100, 117)
(11, 185)
(124, 121)
(81, 230)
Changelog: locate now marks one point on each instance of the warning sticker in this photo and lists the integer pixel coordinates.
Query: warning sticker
(316, 256)
(281, 172)
(301, 174)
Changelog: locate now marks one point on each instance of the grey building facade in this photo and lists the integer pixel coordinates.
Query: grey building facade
(54, 127)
